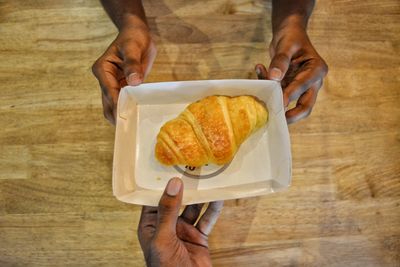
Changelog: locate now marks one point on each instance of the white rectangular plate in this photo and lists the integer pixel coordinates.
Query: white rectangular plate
(262, 164)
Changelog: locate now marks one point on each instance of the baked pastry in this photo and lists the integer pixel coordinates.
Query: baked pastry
(210, 130)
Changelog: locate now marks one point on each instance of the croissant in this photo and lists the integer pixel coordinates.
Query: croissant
(209, 130)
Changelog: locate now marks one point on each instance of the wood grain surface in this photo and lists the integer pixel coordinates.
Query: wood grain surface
(56, 203)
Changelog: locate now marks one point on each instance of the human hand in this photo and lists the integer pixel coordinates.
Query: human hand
(168, 239)
(296, 64)
(127, 60)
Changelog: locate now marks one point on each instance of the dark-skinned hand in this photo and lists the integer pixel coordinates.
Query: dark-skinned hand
(168, 239)
(297, 65)
(127, 60)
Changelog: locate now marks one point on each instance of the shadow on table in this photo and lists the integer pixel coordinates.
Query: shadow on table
(168, 28)
(234, 224)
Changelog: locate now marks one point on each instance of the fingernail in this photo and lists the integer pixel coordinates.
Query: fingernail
(275, 74)
(173, 187)
(285, 102)
(134, 79)
(258, 71)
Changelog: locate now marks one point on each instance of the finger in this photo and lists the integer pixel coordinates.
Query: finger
(105, 69)
(261, 72)
(168, 207)
(191, 213)
(147, 226)
(132, 66)
(148, 217)
(280, 63)
(108, 109)
(209, 218)
(190, 234)
(309, 75)
(304, 105)
(148, 59)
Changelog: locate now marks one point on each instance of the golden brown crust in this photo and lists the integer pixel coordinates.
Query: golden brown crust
(188, 116)
(182, 135)
(210, 117)
(241, 124)
(209, 130)
(164, 153)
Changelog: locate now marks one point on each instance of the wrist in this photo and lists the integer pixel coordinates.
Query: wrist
(133, 21)
(292, 22)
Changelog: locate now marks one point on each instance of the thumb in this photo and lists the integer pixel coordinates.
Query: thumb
(168, 207)
(133, 69)
(279, 65)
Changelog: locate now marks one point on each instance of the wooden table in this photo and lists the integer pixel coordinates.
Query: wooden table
(56, 203)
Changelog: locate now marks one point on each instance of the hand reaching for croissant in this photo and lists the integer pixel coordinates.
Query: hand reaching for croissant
(168, 239)
(300, 69)
(127, 60)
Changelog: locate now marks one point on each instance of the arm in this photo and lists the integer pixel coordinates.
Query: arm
(130, 56)
(294, 61)
(125, 12)
(291, 12)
